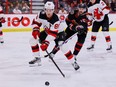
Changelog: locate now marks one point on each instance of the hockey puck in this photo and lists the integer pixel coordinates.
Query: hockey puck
(47, 83)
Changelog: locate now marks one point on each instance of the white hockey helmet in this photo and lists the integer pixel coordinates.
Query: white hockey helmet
(49, 5)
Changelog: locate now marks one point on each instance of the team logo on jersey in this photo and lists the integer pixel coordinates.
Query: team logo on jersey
(56, 26)
(62, 17)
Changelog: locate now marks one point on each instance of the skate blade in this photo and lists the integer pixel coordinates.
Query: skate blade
(109, 51)
(34, 65)
(90, 50)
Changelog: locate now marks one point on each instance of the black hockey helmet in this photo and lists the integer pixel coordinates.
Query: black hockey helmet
(97, 1)
(82, 5)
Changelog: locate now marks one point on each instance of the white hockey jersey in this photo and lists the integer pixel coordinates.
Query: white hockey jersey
(97, 11)
(53, 24)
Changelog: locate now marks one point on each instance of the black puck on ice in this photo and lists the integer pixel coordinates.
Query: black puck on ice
(47, 83)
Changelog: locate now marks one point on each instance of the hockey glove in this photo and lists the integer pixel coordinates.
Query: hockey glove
(44, 45)
(80, 29)
(47, 30)
(35, 33)
(77, 28)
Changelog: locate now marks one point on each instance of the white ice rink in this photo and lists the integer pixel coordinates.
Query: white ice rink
(97, 68)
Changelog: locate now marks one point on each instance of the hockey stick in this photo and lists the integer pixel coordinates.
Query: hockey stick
(63, 43)
(19, 20)
(111, 23)
(68, 39)
(55, 64)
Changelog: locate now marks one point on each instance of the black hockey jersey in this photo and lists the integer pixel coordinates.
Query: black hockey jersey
(76, 19)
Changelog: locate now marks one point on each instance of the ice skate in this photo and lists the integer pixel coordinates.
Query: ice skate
(1, 40)
(36, 60)
(109, 49)
(75, 65)
(90, 48)
(75, 58)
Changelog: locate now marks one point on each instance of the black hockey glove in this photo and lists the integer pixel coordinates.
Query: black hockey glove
(77, 28)
(80, 29)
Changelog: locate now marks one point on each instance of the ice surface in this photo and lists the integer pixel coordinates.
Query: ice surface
(97, 68)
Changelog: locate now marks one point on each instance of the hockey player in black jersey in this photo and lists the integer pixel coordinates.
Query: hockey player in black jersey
(76, 22)
(52, 28)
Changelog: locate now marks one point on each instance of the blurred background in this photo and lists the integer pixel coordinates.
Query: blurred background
(34, 6)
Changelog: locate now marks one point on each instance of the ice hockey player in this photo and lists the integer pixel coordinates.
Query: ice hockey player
(2, 20)
(98, 14)
(76, 22)
(52, 27)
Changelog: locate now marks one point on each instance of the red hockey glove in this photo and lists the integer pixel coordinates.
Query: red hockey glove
(47, 30)
(35, 33)
(44, 45)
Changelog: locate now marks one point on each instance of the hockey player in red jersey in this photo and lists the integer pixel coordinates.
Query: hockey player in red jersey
(98, 13)
(2, 20)
(76, 22)
(52, 27)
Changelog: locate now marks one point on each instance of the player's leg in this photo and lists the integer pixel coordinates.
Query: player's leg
(61, 37)
(35, 48)
(105, 30)
(1, 34)
(36, 51)
(64, 48)
(79, 44)
(95, 29)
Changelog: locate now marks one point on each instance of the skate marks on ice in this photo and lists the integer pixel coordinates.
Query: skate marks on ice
(15, 71)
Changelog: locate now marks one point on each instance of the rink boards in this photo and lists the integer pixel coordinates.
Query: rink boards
(25, 24)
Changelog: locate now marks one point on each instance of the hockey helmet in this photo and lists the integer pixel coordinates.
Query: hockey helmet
(95, 1)
(84, 6)
(49, 5)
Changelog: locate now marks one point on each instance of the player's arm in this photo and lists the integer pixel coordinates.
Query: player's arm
(70, 20)
(90, 14)
(104, 7)
(80, 28)
(36, 27)
(52, 33)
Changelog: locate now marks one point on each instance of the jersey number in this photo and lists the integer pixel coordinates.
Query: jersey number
(97, 13)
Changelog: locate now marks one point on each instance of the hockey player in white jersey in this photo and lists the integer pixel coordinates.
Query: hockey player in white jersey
(2, 20)
(52, 28)
(98, 13)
